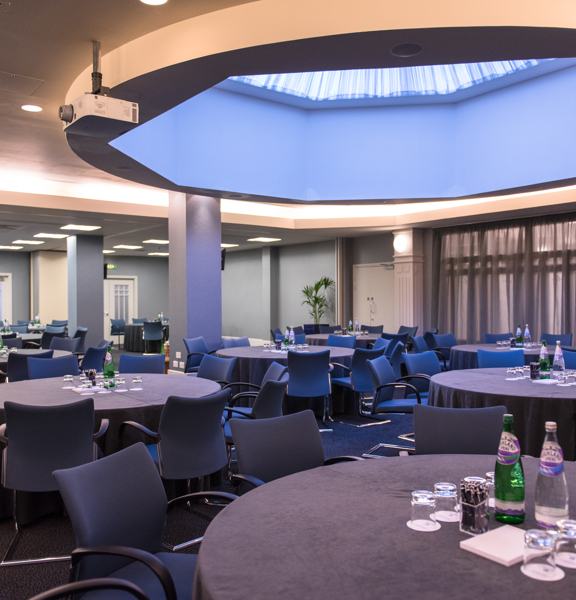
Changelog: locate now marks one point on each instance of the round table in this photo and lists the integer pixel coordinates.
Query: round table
(531, 403)
(134, 337)
(29, 352)
(362, 341)
(465, 356)
(339, 532)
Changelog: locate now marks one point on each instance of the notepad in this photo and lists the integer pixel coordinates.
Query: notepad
(504, 545)
(545, 381)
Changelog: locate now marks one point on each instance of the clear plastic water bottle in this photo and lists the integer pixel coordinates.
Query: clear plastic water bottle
(558, 367)
(527, 337)
(350, 327)
(356, 326)
(551, 495)
(291, 338)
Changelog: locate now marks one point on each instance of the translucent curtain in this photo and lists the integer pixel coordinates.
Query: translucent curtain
(494, 277)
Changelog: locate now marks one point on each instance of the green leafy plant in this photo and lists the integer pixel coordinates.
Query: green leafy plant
(316, 299)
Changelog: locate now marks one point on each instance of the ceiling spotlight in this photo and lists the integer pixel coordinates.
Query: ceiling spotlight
(154, 2)
(400, 243)
(10, 247)
(55, 236)
(125, 247)
(264, 239)
(82, 227)
(228, 245)
(155, 242)
(158, 254)
(31, 108)
(108, 251)
(31, 242)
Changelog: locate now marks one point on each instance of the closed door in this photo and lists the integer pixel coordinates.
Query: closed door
(6, 297)
(119, 301)
(374, 296)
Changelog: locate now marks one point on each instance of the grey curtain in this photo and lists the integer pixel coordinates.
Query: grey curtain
(493, 277)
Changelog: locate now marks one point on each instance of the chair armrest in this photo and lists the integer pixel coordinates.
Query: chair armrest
(395, 385)
(339, 459)
(244, 383)
(33, 344)
(103, 428)
(3, 437)
(155, 436)
(341, 366)
(153, 563)
(200, 497)
(195, 354)
(240, 395)
(238, 411)
(70, 590)
(440, 355)
(330, 367)
(222, 382)
(414, 376)
(238, 479)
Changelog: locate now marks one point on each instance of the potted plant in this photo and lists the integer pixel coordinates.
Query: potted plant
(315, 298)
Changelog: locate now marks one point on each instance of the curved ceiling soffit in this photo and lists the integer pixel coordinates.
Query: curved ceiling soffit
(347, 51)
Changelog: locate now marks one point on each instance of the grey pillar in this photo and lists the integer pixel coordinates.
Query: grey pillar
(270, 258)
(86, 286)
(195, 278)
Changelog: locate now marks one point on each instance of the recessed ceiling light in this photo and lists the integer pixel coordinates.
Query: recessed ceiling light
(31, 242)
(154, 2)
(10, 247)
(228, 245)
(158, 254)
(82, 227)
(264, 239)
(56, 236)
(108, 251)
(155, 242)
(125, 247)
(31, 108)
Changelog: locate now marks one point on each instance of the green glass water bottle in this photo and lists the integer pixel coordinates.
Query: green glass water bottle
(544, 362)
(509, 488)
(519, 339)
(1, 343)
(109, 370)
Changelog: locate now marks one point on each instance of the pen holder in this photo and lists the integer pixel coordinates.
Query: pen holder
(474, 518)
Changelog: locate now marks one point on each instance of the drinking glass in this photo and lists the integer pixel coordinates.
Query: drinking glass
(490, 486)
(499, 345)
(446, 502)
(103, 386)
(266, 346)
(511, 373)
(526, 371)
(299, 348)
(86, 387)
(305, 348)
(423, 517)
(519, 372)
(566, 544)
(68, 382)
(121, 384)
(136, 383)
(540, 556)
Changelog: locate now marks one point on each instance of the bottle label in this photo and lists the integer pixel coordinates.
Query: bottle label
(558, 353)
(544, 352)
(108, 358)
(551, 460)
(509, 449)
(509, 508)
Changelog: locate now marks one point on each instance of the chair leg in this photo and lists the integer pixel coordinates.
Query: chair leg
(325, 415)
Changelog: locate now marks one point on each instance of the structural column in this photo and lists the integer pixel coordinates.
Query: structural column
(270, 288)
(86, 286)
(408, 277)
(195, 279)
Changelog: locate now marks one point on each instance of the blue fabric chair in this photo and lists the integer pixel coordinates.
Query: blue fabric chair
(45, 340)
(310, 377)
(300, 338)
(492, 338)
(136, 321)
(380, 343)
(360, 378)
(395, 356)
(569, 359)
(94, 359)
(81, 335)
(104, 343)
(275, 372)
(238, 342)
(429, 339)
(153, 335)
(551, 339)
(131, 363)
(55, 329)
(384, 384)
(372, 328)
(196, 348)
(45, 368)
(118, 327)
(458, 430)
(420, 368)
(56, 323)
(411, 331)
(12, 343)
(298, 330)
(68, 344)
(341, 341)
(216, 369)
(72, 590)
(19, 328)
(17, 368)
(310, 329)
(419, 344)
(9, 336)
(396, 337)
(20, 322)
(508, 358)
(275, 333)
(444, 343)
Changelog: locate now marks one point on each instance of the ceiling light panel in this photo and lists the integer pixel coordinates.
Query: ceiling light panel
(108, 251)
(125, 247)
(82, 227)
(31, 242)
(158, 254)
(11, 247)
(264, 239)
(55, 236)
(228, 245)
(155, 242)
(31, 108)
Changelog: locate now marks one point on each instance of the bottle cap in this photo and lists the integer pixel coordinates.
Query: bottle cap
(550, 426)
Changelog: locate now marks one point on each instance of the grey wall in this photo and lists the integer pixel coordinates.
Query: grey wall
(152, 273)
(373, 249)
(18, 263)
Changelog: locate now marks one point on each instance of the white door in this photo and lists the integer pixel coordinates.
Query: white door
(374, 296)
(6, 297)
(120, 301)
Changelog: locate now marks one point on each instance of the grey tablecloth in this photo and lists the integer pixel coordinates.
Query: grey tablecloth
(133, 340)
(362, 341)
(465, 357)
(339, 533)
(532, 404)
(29, 352)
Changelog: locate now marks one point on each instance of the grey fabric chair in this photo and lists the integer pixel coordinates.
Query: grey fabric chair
(298, 330)
(39, 440)
(457, 430)
(68, 344)
(118, 510)
(268, 449)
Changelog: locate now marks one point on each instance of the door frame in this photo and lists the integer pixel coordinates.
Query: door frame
(134, 279)
(389, 267)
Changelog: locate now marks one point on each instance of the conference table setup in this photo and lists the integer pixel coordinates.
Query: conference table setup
(341, 532)
(134, 337)
(25, 352)
(362, 341)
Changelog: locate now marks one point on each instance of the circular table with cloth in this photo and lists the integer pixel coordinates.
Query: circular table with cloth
(362, 341)
(29, 352)
(531, 403)
(466, 357)
(134, 337)
(339, 532)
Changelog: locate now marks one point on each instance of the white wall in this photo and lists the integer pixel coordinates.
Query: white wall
(52, 285)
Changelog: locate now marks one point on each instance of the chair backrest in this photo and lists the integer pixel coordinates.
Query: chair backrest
(94, 359)
(104, 343)
(310, 329)
(192, 439)
(44, 368)
(275, 332)
(457, 430)
(361, 375)
(69, 344)
(117, 500)
(153, 330)
(216, 368)
(429, 339)
(381, 372)
(197, 344)
(411, 331)
(238, 342)
(419, 344)
(328, 328)
(509, 358)
(81, 334)
(47, 337)
(268, 402)
(136, 321)
(372, 328)
(445, 340)
(42, 439)
(57, 323)
(341, 341)
(274, 372)
(300, 338)
(17, 369)
(19, 328)
(552, 338)
(117, 326)
(9, 336)
(492, 338)
(396, 337)
(396, 357)
(272, 448)
(569, 359)
(309, 374)
(132, 363)
(426, 363)
(380, 343)
(20, 322)
(13, 342)
(298, 330)
(55, 328)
